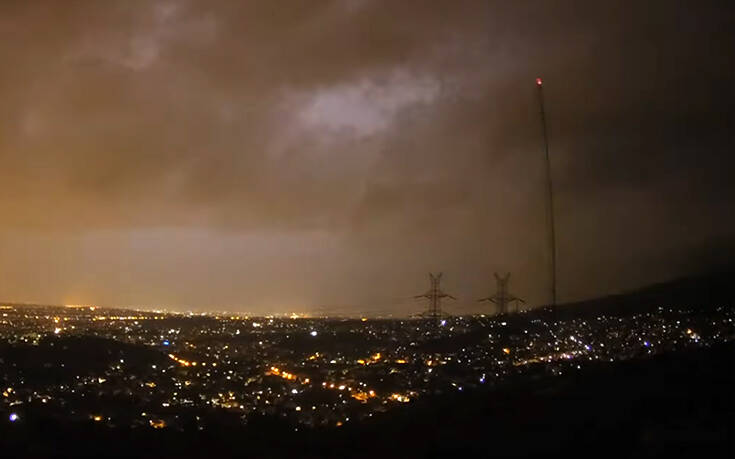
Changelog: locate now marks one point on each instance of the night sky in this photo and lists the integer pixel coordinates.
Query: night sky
(324, 156)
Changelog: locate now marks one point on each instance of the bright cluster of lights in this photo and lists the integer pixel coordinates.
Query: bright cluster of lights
(375, 358)
(157, 423)
(182, 362)
(80, 306)
(400, 398)
(283, 374)
(363, 396)
(103, 318)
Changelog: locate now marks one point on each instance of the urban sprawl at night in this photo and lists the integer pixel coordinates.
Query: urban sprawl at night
(170, 370)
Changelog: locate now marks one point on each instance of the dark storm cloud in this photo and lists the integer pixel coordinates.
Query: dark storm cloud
(272, 155)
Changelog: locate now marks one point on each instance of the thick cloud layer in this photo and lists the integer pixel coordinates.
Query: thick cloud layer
(323, 156)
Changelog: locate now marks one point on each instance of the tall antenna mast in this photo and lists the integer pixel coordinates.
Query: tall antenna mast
(550, 203)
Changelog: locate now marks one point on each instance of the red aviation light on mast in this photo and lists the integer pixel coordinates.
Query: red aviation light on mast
(539, 81)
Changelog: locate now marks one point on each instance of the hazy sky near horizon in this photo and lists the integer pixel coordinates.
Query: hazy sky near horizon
(323, 156)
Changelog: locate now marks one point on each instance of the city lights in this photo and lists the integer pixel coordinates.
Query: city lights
(210, 365)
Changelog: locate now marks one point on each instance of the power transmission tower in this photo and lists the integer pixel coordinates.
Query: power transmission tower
(435, 295)
(550, 202)
(502, 297)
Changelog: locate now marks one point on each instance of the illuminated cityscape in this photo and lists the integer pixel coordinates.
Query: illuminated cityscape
(166, 370)
(217, 219)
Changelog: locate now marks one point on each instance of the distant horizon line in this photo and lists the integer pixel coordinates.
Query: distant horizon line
(240, 314)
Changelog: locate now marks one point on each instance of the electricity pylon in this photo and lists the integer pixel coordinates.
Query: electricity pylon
(502, 297)
(435, 295)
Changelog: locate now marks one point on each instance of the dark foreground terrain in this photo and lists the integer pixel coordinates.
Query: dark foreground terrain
(673, 405)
